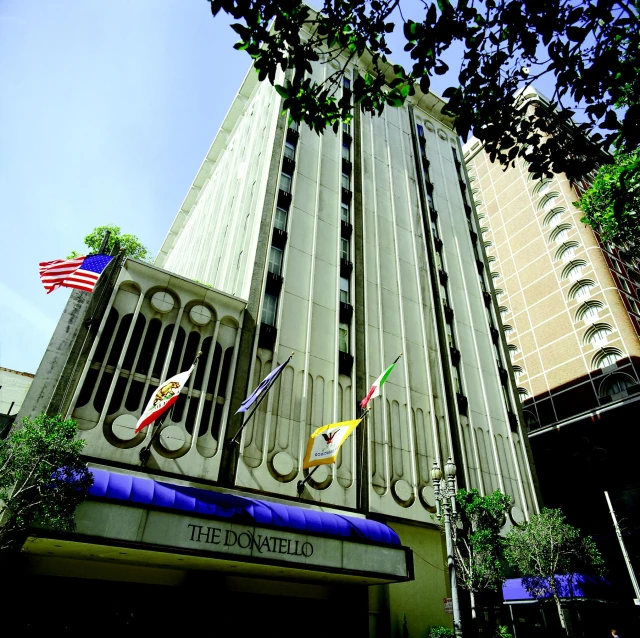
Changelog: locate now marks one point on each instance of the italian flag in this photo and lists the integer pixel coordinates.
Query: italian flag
(374, 391)
(163, 398)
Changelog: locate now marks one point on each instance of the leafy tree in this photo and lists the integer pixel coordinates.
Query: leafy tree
(129, 243)
(547, 547)
(590, 49)
(42, 479)
(612, 204)
(478, 546)
(441, 632)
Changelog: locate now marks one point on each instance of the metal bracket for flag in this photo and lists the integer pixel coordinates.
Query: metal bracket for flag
(235, 438)
(301, 484)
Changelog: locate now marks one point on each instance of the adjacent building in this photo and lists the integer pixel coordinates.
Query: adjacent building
(570, 312)
(347, 249)
(13, 389)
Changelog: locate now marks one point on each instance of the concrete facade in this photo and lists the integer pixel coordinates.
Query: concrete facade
(347, 249)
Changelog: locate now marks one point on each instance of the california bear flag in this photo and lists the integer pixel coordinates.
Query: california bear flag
(324, 444)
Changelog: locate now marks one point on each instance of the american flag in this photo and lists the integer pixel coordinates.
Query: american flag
(81, 273)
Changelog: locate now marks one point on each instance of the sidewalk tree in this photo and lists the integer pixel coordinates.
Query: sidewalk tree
(547, 547)
(42, 478)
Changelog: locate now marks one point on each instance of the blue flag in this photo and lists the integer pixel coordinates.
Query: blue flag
(262, 388)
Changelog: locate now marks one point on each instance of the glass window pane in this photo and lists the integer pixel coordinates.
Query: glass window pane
(343, 337)
(289, 150)
(346, 83)
(269, 309)
(346, 153)
(344, 248)
(345, 181)
(344, 290)
(344, 212)
(346, 128)
(275, 260)
(285, 182)
(280, 220)
(420, 130)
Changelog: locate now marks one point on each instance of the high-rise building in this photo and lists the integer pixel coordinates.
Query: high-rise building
(570, 310)
(349, 250)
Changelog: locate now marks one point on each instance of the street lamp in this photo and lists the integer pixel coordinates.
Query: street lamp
(446, 507)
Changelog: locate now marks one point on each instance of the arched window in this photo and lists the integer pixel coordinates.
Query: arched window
(554, 216)
(566, 251)
(573, 269)
(588, 311)
(615, 383)
(581, 289)
(547, 201)
(560, 233)
(597, 334)
(541, 186)
(606, 357)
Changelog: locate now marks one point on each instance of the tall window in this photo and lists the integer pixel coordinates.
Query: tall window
(343, 337)
(280, 220)
(449, 331)
(289, 150)
(344, 290)
(346, 152)
(346, 83)
(285, 182)
(275, 260)
(420, 131)
(344, 213)
(346, 128)
(456, 379)
(346, 183)
(344, 248)
(269, 306)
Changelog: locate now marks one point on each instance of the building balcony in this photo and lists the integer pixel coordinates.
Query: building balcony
(345, 363)
(448, 313)
(442, 276)
(279, 238)
(267, 336)
(347, 166)
(346, 312)
(467, 209)
(487, 298)
(504, 375)
(455, 355)
(429, 187)
(346, 137)
(434, 214)
(463, 403)
(288, 165)
(438, 243)
(346, 229)
(284, 199)
(345, 267)
(274, 282)
(425, 162)
(495, 335)
(293, 135)
(346, 195)
(474, 236)
(480, 266)
(463, 185)
(456, 161)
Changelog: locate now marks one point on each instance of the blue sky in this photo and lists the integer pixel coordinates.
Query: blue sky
(106, 112)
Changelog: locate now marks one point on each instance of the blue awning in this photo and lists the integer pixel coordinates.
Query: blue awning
(580, 586)
(241, 509)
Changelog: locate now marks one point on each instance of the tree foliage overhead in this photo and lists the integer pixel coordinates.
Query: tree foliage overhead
(590, 49)
(612, 204)
(547, 546)
(478, 546)
(42, 479)
(130, 244)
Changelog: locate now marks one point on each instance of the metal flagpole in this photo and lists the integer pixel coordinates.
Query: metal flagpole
(260, 400)
(301, 484)
(632, 575)
(145, 452)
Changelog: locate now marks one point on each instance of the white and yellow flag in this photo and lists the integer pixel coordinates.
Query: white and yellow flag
(324, 444)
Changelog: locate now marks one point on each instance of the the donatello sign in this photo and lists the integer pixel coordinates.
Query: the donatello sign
(261, 543)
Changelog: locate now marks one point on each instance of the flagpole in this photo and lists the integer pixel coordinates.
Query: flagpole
(145, 452)
(301, 484)
(260, 400)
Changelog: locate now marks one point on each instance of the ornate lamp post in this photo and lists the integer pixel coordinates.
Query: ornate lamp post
(446, 507)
